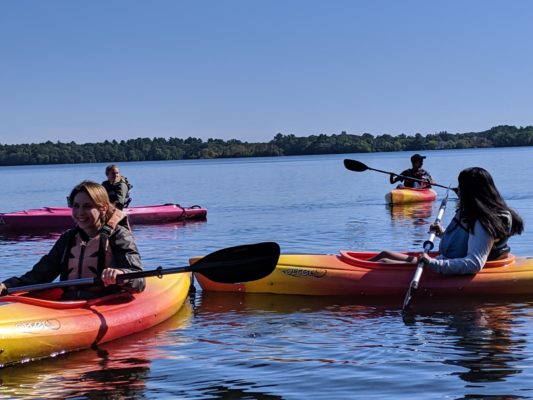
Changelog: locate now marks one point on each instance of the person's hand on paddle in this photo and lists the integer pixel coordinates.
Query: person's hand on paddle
(427, 183)
(437, 228)
(109, 276)
(3, 289)
(393, 177)
(424, 258)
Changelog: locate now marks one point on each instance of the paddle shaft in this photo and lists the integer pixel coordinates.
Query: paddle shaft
(234, 264)
(408, 177)
(428, 246)
(93, 281)
(358, 166)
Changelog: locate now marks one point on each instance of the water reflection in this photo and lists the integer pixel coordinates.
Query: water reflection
(114, 370)
(484, 339)
(228, 392)
(211, 304)
(412, 211)
(491, 351)
(36, 234)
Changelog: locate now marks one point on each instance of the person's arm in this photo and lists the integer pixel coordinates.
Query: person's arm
(127, 258)
(46, 270)
(121, 192)
(393, 178)
(429, 180)
(479, 245)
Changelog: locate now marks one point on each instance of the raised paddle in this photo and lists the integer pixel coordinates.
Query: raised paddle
(358, 166)
(428, 246)
(243, 263)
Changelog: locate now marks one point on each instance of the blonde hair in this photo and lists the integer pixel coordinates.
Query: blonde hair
(97, 194)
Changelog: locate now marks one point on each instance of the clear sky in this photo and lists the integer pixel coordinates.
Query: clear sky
(90, 70)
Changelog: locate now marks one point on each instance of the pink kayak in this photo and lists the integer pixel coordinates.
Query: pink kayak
(61, 217)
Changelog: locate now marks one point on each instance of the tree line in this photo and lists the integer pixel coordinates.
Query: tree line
(146, 149)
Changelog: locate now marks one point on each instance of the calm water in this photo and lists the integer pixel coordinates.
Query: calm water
(287, 347)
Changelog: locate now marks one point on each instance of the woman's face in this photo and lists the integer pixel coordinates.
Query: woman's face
(113, 175)
(86, 213)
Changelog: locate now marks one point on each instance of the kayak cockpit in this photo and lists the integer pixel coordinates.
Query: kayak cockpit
(361, 259)
(52, 299)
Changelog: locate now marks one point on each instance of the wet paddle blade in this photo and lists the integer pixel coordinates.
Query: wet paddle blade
(240, 263)
(408, 297)
(354, 165)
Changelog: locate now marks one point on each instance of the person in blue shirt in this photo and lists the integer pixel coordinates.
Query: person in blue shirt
(478, 232)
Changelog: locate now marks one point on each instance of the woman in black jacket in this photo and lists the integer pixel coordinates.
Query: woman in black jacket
(101, 245)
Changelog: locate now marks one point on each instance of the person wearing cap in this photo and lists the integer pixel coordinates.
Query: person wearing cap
(416, 172)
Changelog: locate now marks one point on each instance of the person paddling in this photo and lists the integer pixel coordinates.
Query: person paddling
(101, 246)
(117, 187)
(416, 171)
(478, 232)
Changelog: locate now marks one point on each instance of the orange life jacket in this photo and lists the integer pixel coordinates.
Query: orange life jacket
(89, 256)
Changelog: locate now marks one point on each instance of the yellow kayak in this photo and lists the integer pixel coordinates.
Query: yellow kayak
(350, 273)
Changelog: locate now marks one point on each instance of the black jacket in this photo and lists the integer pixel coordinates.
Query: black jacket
(55, 263)
(118, 193)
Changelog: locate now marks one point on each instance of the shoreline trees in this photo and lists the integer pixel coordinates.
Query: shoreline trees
(157, 149)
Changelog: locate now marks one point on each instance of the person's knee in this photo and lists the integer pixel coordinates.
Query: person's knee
(387, 254)
(378, 256)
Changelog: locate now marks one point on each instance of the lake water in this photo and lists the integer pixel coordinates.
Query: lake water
(287, 347)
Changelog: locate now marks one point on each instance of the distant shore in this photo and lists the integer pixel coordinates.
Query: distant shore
(160, 149)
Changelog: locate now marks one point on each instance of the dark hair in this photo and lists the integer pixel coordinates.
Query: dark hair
(110, 167)
(480, 200)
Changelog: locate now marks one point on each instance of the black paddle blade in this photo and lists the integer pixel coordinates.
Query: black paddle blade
(407, 299)
(407, 315)
(354, 165)
(243, 263)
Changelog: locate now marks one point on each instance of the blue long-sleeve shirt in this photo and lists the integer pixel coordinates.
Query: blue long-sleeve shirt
(478, 248)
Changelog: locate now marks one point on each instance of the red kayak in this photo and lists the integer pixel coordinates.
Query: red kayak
(61, 217)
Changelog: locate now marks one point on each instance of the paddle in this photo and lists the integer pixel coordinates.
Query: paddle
(244, 263)
(428, 245)
(357, 166)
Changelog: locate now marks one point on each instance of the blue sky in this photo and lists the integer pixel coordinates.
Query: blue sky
(87, 71)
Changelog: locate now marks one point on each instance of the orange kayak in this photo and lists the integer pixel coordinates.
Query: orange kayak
(39, 327)
(350, 274)
(409, 195)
